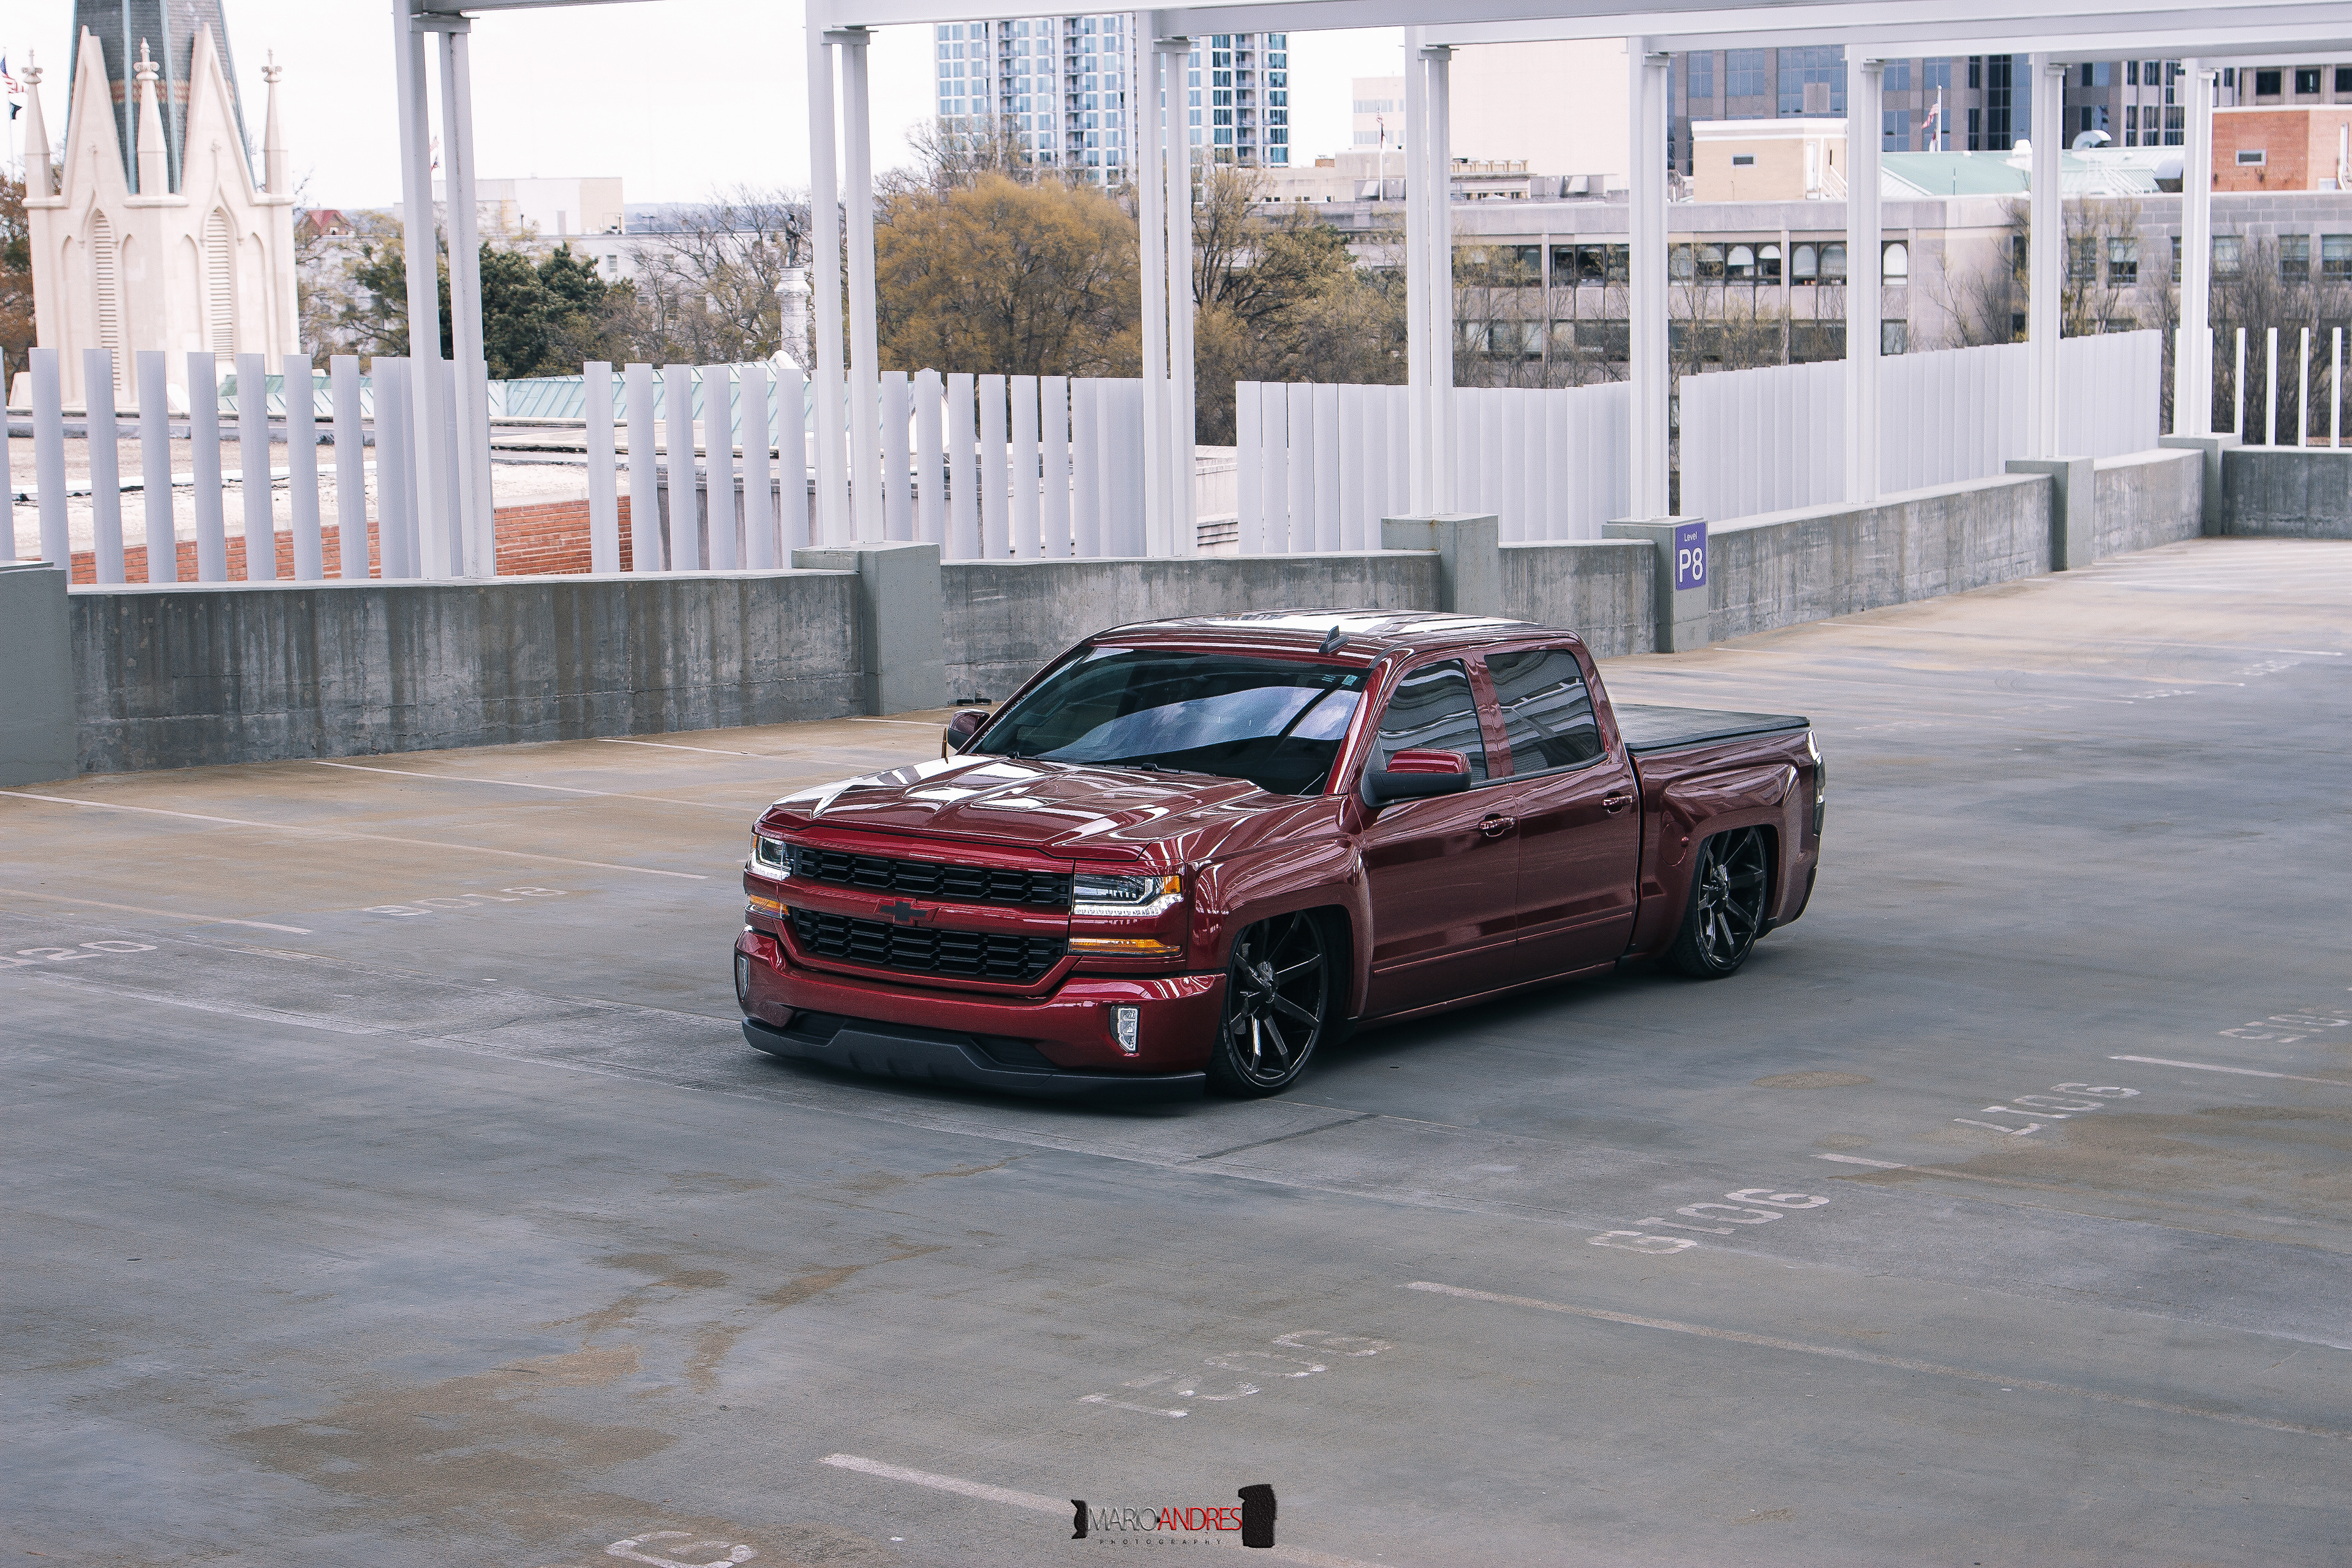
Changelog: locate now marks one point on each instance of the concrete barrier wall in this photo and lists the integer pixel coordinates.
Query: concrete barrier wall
(1601, 589)
(2287, 493)
(1812, 562)
(1005, 619)
(176, 676)
(2146, 499)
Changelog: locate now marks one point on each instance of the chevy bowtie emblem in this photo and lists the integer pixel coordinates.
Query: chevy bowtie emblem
(900, 912)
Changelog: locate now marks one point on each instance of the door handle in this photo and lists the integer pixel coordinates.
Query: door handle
(1495, 826)
(1614, 804)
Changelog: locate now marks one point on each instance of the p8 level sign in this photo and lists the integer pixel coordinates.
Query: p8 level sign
(1690, 556)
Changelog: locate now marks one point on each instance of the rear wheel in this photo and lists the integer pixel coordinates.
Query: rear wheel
(1727, 905)
(1279, 990)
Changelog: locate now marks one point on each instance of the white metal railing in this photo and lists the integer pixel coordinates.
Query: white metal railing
(986, 466)
(2291, 403)
(1320, 465)
(1768, 440)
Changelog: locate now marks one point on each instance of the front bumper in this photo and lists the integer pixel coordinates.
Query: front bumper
(940, 1056)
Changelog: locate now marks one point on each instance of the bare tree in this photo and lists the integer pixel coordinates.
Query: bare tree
(952, 155)
(707, 279)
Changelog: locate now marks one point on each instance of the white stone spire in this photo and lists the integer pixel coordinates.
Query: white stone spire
(38, 181)
(274, 178)
(154, 167)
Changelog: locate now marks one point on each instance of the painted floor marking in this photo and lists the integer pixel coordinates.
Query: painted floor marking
(1902, 1364)
(910, 723)
(518, 783)
(668, 746)
(160, 914)
(1858, 1160)
(344, 832)
(251, 1014)
(1058, 1507)
(2242, 1072)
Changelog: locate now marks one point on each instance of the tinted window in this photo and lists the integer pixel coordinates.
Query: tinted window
(1275, 723)
(1547, 709)
(1432, 710)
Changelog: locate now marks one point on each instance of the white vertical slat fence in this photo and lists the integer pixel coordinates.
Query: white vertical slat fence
(1773, 439)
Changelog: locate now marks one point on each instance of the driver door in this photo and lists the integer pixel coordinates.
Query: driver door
(1443, 871)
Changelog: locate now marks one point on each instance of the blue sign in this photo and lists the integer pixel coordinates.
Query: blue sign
(1690, 556)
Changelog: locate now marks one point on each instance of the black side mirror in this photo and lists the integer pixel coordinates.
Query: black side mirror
(961, 730)
(1417, 775)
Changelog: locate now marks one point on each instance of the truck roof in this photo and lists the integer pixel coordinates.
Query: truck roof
(1369, 633)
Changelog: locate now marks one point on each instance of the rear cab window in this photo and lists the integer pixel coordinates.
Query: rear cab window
(1432, 708)
(1546, 706)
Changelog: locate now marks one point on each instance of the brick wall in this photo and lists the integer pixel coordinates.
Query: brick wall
(533, 542)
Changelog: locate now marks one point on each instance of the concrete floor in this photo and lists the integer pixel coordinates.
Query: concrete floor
(389, 1185)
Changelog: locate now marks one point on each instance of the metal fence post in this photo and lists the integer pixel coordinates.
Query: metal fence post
(677, 426)
(203, 450)
(49, 456)
(104, 436)
(350, 469)
(604, 487)
(155, 465)
(302, 468)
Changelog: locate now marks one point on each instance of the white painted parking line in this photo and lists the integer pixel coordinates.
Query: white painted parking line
(159, 914)
(910, 723)
(668, 746)
(1058, 1507)
(518, 783)
(1902, 1364)
(250, 1013)
(342, 833)
(1858, 1160)
(2242, 1072)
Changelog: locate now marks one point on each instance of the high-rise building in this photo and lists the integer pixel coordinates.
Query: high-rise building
(167, 29)
(1066, 86)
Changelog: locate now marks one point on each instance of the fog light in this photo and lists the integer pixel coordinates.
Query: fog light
(1126, 1026)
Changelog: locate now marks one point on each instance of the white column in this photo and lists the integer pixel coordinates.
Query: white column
(644, 471)
(603, 479)
(1438, 274)
(1864, 95)
(351, 472)
(2192, 362)
(832, 526)
(1182, 413)
(1417, 215)
(2048, 252)
(476, 518)
(203, 462)
(1649, 369)
(865, 379)
(431, 488)
(253, 467)
(302, 465)
(106, 464)
(155, 466)
(1152, 206)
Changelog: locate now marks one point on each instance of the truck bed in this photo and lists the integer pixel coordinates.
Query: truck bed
(1647, 728)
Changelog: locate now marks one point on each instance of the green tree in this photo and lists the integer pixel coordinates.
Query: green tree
(543, 317)
(15, 281)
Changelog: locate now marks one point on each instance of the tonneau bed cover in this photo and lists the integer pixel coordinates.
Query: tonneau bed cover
(1658, 729)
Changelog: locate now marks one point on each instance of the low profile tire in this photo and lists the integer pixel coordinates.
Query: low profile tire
(1727, 905)
(1280, 986)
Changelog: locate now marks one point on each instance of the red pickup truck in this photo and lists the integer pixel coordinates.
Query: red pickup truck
(1190, 853)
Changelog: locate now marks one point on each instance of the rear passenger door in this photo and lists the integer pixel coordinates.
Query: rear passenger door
(1443, 871)
(1580, 818)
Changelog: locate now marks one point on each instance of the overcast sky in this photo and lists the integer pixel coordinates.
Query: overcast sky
(679, 97)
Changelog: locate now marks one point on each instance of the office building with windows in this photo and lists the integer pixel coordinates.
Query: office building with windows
(1066, 86)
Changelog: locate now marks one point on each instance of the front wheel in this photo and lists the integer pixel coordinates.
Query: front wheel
(1279, 991)
(1727, 905)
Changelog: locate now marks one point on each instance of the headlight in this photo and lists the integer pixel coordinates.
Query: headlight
(769, 857)
(1094, 893)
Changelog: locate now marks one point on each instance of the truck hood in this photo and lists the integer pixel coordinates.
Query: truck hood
(1056, 808)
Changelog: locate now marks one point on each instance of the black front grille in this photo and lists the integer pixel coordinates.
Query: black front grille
(931, 880)
(1007, 957)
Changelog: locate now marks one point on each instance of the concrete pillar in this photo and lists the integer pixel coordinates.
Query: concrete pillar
(901, 620)
(1649, 368)
(1469, 548)
(2074, 505)
(431, 487)
(832, 521)
(1152, 202)
(1862, 299)
(2047, 245)
(2210, 511)
(865, 356)
(2192, 360)
(1685, 617)
(37, 735)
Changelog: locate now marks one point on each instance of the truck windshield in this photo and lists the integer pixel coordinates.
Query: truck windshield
(1275, 723)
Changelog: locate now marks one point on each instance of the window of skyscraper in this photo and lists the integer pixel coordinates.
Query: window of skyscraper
(1934, 74)
(1800, 68)
(1743, 73)
(1898, 76)
(1699, 70)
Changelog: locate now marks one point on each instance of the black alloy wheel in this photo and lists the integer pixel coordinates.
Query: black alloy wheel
(1726, 904)
(1278, 998)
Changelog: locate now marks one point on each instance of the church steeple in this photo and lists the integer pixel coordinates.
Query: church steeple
(154, 169)
(123, 28)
